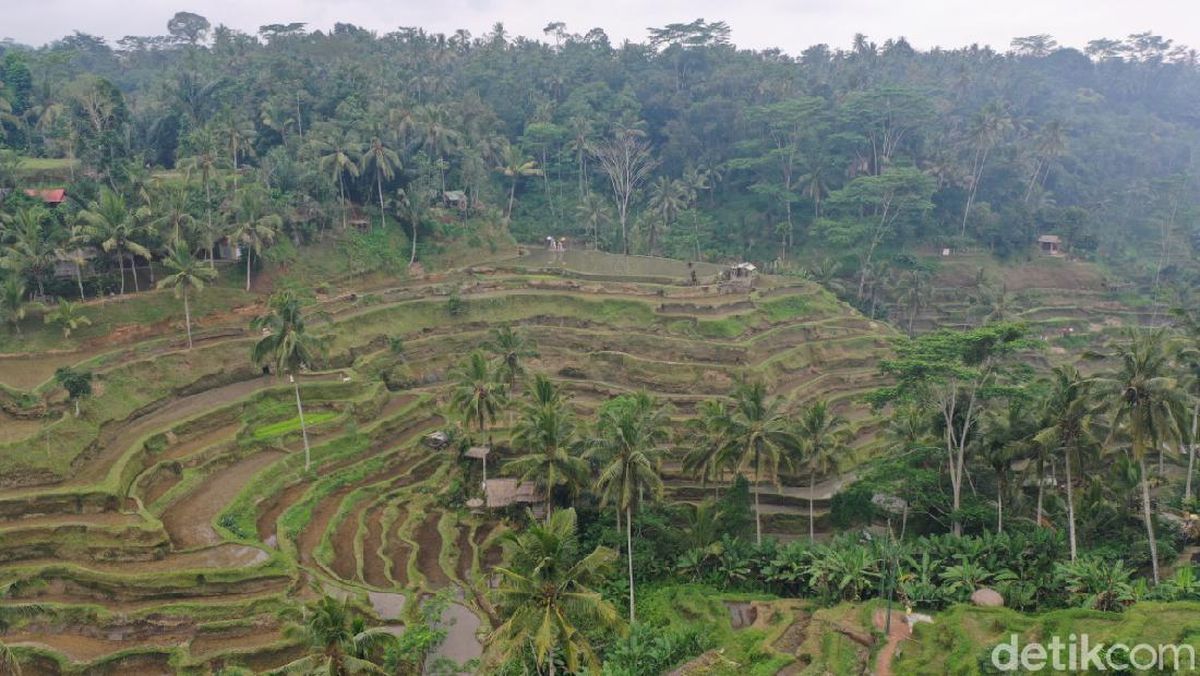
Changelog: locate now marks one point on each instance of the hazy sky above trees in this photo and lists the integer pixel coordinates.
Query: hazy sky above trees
(787, 24)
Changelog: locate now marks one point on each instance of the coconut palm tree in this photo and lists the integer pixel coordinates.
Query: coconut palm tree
(706, 458)
(338, 157)
(547, 435)
(1189, 358)
(823, 436)
(631, 432)
(255, 226)
(514, 165)
(287, 344)
(593, 212)
(667, 198)
(914, 293)
(988, 127)
(547, 596)
(69, 316)
(756, 434)
(1145, 403)
(30, 251)
(113, 226)
(383, 162)
(188, 275)
(171, 205)
(8, 661)
(478, 394)
(205, 161)
(72, 251)
(341, 642)
(436, 134)
(510, 347)
(1066, 428)
(13, 306)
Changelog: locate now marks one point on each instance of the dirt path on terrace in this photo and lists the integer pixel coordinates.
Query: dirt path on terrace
(899, 632)
(108, 519)
(310, 537)
(188, 521)
(490, 558)
(374, 567)
(227, 555)
(116, 440)
(276, 506)
(429, 548)
(86, 648)
(466, 555)
(345, 562)
(191, 444)
(399, 551)
(266, 523)
(57, 592)
(241, 639)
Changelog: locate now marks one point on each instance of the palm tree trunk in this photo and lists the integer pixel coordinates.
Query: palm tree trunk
(247, 267)
(1187, 490)
(812, 489)
(187, 318)
(77, 407)
(757, 514)
(1070, 505)
(121, 267)
(379, 184)
(79, 279)
(629, 558)
(1000, 509)
(137, 287)
(1146, 516)
(342, 194)
(1041, 491)
(303, 427)
(512, 194)
(212, 262)
(413, 257)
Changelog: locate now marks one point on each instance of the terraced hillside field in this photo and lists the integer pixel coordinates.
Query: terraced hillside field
(172, 528)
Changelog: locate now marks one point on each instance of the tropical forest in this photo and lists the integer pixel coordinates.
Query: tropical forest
(336, 350)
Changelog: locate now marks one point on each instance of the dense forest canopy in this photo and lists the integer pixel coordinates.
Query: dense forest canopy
(740, 153)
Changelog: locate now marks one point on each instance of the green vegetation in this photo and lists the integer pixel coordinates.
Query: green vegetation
(775, 354)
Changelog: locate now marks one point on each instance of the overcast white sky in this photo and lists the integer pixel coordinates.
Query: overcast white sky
(790, 25)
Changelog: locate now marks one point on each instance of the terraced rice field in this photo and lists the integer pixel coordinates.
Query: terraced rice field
(171, 529)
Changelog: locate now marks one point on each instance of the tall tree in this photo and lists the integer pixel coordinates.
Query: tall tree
(626, 160)
(289, 347)
(188, 276)
(339, 153)
(823, 436)
(547, 436)
(513, 165)
(383, 162)
(510, 348)
(989, 126)
(112, 225)
(340, 641)
(756, 433)
(478, 394)
(631, 431)
(1066, 427)
(1146, 405)
(956, 373)
(255, 227)
(547, 596)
